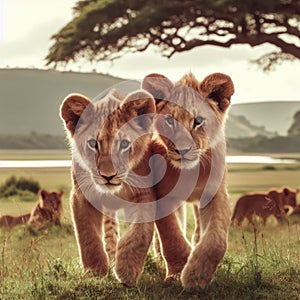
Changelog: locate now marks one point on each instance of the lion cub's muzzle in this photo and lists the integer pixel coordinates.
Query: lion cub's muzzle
(182, 152)
(185, 158)
(111, 181)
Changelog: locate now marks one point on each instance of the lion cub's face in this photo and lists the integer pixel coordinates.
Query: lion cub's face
(51, 201)
(191, 114)
(109, 137)
(290, 196)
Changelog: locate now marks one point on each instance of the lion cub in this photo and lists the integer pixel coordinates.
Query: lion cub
(110, 153)
(265, 205)
(190, 122)
(48, 208)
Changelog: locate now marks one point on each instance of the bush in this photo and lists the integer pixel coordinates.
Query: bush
(31, 185)
(269, 168)
(25, 188)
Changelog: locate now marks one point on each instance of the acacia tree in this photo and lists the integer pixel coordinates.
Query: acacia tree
(295, 127)
(107, 29)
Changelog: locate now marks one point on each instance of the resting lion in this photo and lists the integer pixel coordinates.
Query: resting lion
(47, 209)
(275, 202)
(191, 129)
(110, 143)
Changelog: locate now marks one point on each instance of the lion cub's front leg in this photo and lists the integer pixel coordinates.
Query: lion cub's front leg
(88, 229)
(176, 248)
(131, 252)
(133, 247)
(204, 259)
(112, 235)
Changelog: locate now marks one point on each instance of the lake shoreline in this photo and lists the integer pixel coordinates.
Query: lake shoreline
(66, 163)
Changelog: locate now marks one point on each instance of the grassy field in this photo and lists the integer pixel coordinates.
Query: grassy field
(261, 263)
(34, 154)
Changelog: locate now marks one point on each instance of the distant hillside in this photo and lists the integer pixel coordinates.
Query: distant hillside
(240, 127)
(274, 116)
(30, 101)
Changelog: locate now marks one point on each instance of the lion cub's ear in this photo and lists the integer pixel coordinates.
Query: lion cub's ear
(141, 104)
(158, 86)
(44, 194)
(218, 87)
(71, 110)
(286, 191)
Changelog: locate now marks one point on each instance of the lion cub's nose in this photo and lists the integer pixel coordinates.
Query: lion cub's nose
(109, 178)
(182, 152)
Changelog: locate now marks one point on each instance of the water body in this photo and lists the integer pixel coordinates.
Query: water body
(238, 159)
(256, 159)
(35, 163)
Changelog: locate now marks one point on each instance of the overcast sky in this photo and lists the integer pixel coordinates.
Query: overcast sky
(26, 28)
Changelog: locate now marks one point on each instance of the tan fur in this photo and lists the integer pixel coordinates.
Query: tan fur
(111, 236)
(296, 209)
(198, 266)
(12, 221)
(95, 249)
(180, 214)
(264, 205)
(47, 209)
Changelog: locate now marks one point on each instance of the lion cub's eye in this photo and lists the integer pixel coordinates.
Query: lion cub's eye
(124, 144)
(169, 121)
(199, 121)
(93, 144)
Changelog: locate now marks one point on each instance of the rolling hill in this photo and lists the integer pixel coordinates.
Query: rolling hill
(273, 116)
(30, 101)
(238, 126)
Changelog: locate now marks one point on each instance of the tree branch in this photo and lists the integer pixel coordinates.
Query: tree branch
(107, 30)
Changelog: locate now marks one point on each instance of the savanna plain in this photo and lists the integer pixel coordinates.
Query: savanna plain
(261, 262)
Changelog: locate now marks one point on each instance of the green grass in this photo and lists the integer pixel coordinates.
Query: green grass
(34, 154)
(245, 178)
(260, 264)
(45, 265)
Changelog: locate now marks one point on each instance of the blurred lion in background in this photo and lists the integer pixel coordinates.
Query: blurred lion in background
(279, 203)
(48, 208)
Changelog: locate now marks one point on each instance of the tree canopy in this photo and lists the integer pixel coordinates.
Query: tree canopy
(295, 127)
(107, 29)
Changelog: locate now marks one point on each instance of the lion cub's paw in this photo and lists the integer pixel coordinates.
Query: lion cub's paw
(173, 279)
(98, 271)
(197, 274)
(128, 275)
